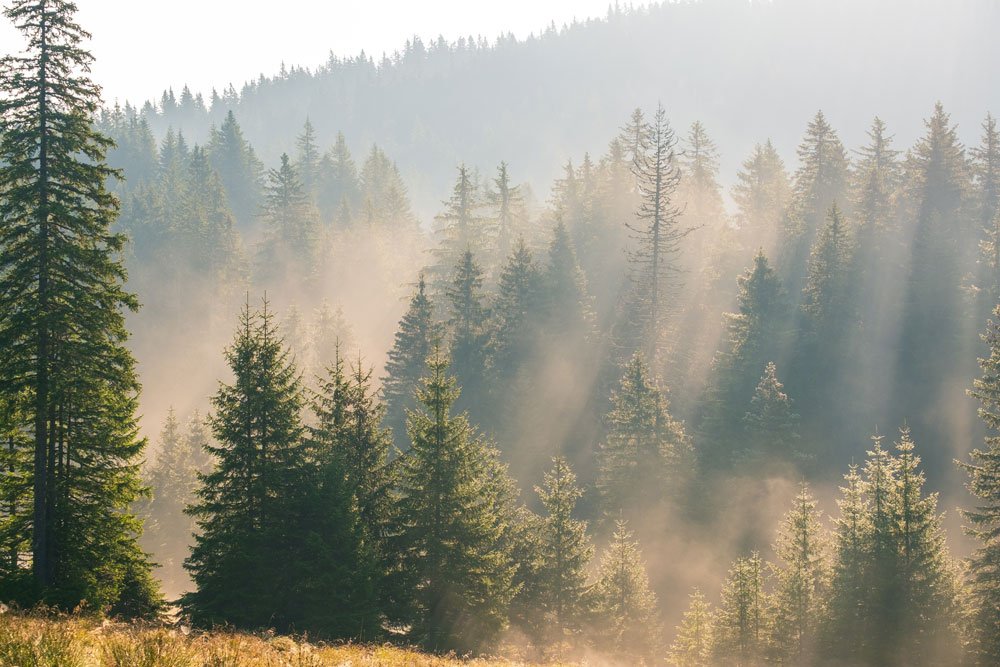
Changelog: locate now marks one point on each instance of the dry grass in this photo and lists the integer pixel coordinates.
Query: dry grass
(35, 640)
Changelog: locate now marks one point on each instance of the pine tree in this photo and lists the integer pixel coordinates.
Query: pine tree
(508, 210)
(62, 327)
(761, 194)
(754, 335)
(291, 237)
(460, 227)
(800, 583)
(234, 160)
(770, 423)
(740, 627)
(340, 185)
(243, 560)
(657, 234)
(826, 298)
(820, 182)
(351, 449)
(565, 554)
(626, 610)
(693, 641)
(452, 523)
(565, 289)
(847, 610)
(173, 481)
(515, 314)
(467, 325)
(644, 448)
(307, 161)
(983, 520)
(407, 364)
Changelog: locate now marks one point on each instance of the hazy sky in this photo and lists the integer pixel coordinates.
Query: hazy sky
(143, 46)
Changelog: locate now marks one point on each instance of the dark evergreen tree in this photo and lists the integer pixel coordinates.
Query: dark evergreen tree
(65, 365)
(515, 316)
(291, 236)
(234, 160)
(249, 507)
(452, 522)
(468, 327)
(416, 337)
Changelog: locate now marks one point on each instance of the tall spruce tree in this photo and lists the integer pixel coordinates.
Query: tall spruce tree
(508, 210)
(761, 193)
(237, 165)
(62, 327)
(771, 425)
(416, 336)
(983, 520)
(451, 525)
(467, 324)
(249, 505)
(290, 247)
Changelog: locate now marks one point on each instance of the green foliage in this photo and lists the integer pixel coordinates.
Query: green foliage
(741, 624)
(645, 448)
(291, 235)
(693, 640)
(66, 374)
(628, 623)
(983, 519)
(453, 513)
(770, 423)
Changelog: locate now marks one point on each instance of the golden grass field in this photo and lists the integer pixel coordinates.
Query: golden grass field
(35, 640)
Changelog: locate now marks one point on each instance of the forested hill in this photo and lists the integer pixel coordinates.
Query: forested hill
(747, 70)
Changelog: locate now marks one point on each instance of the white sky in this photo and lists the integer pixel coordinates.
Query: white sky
(143, 46)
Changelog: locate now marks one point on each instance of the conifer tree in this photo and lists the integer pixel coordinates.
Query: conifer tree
(820, 182)
(452, 523)
(986, 174)
(693, 641)
(645, 447)
(291, 236)
(250, 503)
(625, 605)
(407, 364)
(657, 234)
(565, 289)
(340, 185)
(467, 324)
(846, 609)
(65, 365)
(770, 423)
(173, 481)
(983, 520)
(234, 160)
(761, 194)
(515, 314)
(308, 159)
(461, 225)
(565, 554)
(740, 627)
(800, 583)
(508, 205)
(826, 301)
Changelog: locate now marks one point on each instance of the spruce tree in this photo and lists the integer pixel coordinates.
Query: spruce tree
(771, 425)
(693, 639)
(340, 185)
(416, 336)
(460, 227)
(986, 175)
(307, 160)
(237, 165)
(645, 447)
(62, 327)
(983, 520)
(452, 523)
(565, 289)
(625, 607)
(740, 627)
(508, 210)
(249, 505)
(515, 316)
(800, 584)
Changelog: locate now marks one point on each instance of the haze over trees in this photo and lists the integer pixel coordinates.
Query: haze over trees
(601, 411)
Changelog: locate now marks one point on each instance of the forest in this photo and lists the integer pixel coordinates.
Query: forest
(621, 407)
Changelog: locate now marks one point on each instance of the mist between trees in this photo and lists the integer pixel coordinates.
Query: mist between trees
(620, 421)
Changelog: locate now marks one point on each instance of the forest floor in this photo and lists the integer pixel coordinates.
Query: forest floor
(73, 641)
